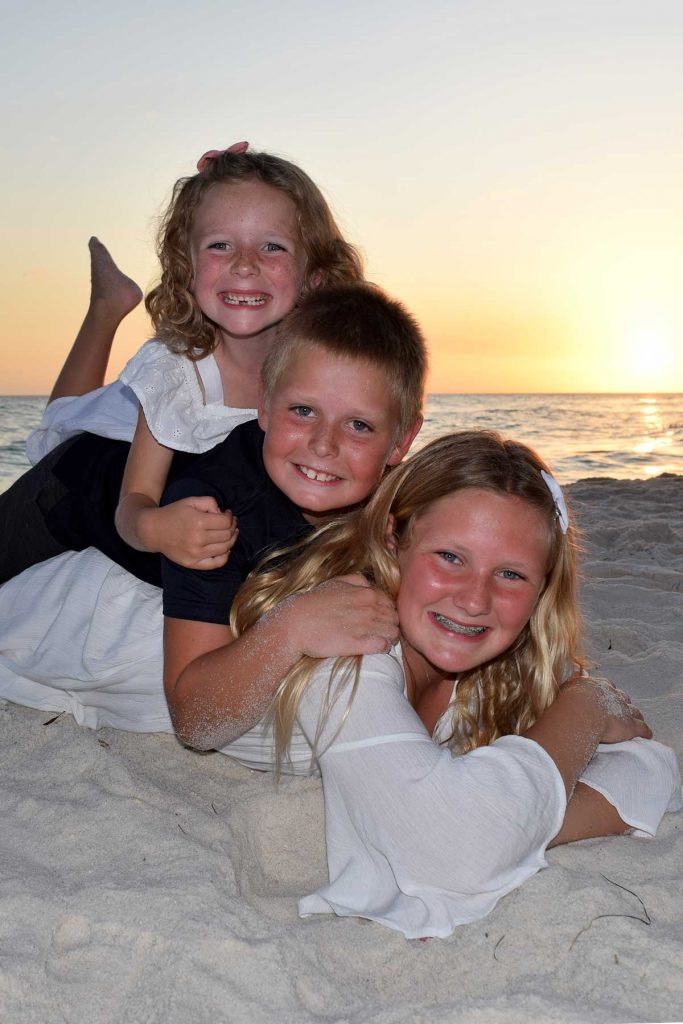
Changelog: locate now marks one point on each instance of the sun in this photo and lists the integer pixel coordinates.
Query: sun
(649, 352)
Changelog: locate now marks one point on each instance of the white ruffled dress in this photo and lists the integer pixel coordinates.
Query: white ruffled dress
(183, 403)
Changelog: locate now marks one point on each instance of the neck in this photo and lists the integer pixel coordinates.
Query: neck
(429, 689)
(420, 673)
(239, 361)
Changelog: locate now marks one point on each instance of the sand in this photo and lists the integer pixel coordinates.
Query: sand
(142, 882)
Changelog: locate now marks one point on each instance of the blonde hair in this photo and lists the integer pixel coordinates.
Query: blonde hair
(330, 259)
(356, 321)
(505, 695)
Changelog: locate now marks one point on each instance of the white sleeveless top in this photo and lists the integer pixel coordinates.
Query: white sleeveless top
(182, 401)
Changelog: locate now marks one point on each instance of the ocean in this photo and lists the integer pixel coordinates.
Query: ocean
(621, 436)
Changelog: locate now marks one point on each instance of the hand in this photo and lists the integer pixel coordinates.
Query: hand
(622, 719)
(344, 616)
(192, 532)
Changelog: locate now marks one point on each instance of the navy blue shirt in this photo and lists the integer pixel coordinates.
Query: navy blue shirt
(233, 473)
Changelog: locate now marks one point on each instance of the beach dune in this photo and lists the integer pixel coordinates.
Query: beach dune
(144, 882)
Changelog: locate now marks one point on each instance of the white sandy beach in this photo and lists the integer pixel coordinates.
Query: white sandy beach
(142, 882)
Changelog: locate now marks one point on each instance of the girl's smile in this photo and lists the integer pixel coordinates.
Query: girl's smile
(248, 257)
(471, 575)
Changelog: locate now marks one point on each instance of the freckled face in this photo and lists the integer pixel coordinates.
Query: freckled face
(470, 579)
(248, 257)
(331, 430)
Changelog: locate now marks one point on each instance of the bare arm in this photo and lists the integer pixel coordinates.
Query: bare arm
(586, 713)
(144, 480)
(589, 814)
(218, 686)
(193, 532)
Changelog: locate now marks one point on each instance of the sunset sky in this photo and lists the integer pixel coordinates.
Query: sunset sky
(512, 170)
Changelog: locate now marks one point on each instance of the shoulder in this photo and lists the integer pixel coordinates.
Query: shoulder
(168, 387)
(234, 467)
(153, 356)
(388, 665)
(387, 668)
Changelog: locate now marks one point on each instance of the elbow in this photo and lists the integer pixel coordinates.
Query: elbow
(193, 738)
(191, 730)
(195, 728)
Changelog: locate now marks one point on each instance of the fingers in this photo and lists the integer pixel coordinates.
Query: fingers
(211, 561)
(379, 629)
(364, 609)
(208, 544)
(356, 579)
(203, 503)
(345, 616)
(624, 720)
(215, 528)
(375, 645)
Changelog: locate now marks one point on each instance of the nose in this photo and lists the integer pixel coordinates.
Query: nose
(244, 262)
(323, 440)
(475, 594)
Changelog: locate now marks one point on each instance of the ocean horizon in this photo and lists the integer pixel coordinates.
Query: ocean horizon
(585, 435)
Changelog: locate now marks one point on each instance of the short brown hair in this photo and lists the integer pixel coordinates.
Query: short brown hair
(356, 321)
(330, 259)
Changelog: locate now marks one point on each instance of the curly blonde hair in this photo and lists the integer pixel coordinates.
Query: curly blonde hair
(502, 696)
(330, 259)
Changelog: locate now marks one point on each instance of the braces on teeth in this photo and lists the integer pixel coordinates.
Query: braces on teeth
(456, 628)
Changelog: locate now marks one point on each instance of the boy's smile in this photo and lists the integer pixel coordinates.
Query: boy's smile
(331, 428)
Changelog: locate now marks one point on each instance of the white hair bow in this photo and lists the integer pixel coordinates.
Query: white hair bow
(558, 498)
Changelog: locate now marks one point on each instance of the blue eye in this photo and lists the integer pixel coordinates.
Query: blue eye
(361, 427)
(221, 246)
(510, 574)
(301, 410)
(449, 556)
(274, 247)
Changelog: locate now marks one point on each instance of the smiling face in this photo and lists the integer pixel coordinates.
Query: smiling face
(470, 578)
(331, 427)
(248, 257)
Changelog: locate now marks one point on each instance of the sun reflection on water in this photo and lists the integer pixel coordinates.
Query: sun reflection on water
(652, 421)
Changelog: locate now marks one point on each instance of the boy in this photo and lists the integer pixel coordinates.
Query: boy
(341, 401)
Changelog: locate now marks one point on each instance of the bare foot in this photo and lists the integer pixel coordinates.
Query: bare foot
(112, 296)
(109, 286)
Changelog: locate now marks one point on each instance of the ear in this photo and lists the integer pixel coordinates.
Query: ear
(315, 279)
(403, 444)
(389, 536)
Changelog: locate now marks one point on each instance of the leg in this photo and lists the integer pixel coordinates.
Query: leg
(66, 502)
(112, 297)
(26, 537)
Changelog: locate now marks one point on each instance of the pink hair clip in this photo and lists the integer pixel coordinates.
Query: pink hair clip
(211, 154)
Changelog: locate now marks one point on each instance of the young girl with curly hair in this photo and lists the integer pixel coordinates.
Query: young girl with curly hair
(240, 242)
